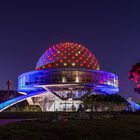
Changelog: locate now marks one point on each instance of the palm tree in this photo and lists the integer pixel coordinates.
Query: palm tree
(9, 83)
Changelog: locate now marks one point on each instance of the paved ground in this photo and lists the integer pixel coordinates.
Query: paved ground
(7, 121)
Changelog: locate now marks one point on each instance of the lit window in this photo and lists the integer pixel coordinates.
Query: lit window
(77, 79)
(64, 79)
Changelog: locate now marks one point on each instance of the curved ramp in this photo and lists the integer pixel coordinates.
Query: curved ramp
(6, 104)
(135, 106)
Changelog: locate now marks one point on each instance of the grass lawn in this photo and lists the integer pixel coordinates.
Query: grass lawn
(124, 127)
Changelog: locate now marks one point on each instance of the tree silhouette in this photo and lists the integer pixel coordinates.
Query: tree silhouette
(95, 101)
(9, 84)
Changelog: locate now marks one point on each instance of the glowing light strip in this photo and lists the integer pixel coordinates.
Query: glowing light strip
(16, 100)
(134, 105)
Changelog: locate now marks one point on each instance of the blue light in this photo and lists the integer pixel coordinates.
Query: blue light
(104, 81)
(135, 106)
(16, 100)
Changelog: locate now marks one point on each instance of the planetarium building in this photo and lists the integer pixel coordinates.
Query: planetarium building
(64, 74)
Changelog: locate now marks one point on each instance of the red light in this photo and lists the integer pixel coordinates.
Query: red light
(68, 53)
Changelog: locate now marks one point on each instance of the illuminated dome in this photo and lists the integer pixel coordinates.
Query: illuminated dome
(68, 55)
(65, 74)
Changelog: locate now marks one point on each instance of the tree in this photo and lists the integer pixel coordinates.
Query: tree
(9, 83)
(95, 101)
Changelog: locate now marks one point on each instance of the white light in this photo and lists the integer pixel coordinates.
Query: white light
(24, 93)
(64, 79)
(73, 64)
(77, 79)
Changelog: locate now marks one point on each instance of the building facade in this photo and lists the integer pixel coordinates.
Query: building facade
(64, 74)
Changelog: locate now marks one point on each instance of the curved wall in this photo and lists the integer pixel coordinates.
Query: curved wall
(97, 78)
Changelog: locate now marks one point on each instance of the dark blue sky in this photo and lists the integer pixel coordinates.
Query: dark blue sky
(109, 28)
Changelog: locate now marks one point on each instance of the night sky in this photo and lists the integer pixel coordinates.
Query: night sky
(110, 29)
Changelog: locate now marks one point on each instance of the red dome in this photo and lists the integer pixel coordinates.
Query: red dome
(68, 55)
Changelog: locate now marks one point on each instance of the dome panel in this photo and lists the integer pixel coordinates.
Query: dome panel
(68, 55)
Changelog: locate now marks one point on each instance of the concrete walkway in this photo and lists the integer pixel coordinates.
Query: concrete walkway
(7, 121)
